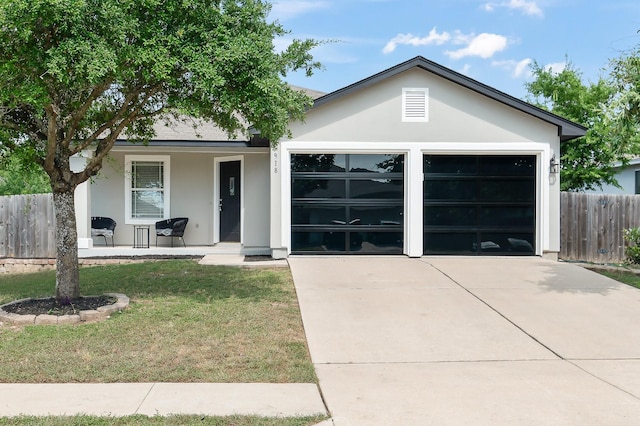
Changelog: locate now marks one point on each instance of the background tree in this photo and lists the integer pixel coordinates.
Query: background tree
(586, 162)
(18, 176)
(622, 114)
(75, 74)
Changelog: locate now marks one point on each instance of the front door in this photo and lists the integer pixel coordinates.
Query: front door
(229, 203)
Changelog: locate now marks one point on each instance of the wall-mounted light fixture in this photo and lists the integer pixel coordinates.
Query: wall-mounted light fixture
(554, 166)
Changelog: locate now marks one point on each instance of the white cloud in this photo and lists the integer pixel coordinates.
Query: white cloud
(556, 67)
(465, 69)
(409, 39)
(287, 9)
(516, 68)
(484, 45)
(530, 8)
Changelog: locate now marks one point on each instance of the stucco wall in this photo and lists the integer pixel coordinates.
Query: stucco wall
(192, 196)
(460, 121)
(456, 114)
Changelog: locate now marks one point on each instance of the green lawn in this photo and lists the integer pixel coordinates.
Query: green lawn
(622, 275)
(185, 323)
(156, 420)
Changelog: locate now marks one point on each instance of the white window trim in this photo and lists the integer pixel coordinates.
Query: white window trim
(128, 160)
(415, 119)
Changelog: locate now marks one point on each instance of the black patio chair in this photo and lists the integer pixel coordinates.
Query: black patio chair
(172, 228)
(103, 227)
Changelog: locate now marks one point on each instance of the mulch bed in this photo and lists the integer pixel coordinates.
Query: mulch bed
(50, 306)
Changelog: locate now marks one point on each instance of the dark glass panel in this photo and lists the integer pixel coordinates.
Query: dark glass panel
(318, 163)
(376, 215)
(506, 165)
(508, 242)
(317, 215)
(317, 241)
(450, 242)
(504, 216)
(508, 190)
(450, 216)
(317, 188)
(377, 163)
(376, 242)
(464, 190)
(390, 189)
(450, 164)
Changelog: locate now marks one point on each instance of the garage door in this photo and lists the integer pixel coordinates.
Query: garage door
(477, 204)
(347, 203)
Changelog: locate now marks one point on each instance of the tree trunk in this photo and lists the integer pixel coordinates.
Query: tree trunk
(67, 269)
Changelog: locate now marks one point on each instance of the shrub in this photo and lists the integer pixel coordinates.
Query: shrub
(632, 236)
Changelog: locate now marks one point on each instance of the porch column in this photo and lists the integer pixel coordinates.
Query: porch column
(278, 251)
(82, 204)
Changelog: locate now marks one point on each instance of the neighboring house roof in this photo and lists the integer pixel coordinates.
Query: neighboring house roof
(567, 129)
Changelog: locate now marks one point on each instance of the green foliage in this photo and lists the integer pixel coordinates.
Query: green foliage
(632, 237)
(586, 162)
(76, 74)
(623, 112)
(20, 177)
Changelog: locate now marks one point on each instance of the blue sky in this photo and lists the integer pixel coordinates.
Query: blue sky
(492, 41)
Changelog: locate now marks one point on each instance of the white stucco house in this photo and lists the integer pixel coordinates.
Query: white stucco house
(417, 159)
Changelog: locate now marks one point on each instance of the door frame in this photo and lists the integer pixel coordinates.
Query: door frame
(216, 195)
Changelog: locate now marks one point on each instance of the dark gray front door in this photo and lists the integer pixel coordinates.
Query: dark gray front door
(229, 203)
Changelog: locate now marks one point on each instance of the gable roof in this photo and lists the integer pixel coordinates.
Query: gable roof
(567, 129)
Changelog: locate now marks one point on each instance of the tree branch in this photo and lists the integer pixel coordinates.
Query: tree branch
(126, 105)
(105, 145)
(52, 130)
(79, 114)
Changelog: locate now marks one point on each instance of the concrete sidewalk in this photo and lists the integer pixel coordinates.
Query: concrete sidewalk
(470, 341)
(124, 399)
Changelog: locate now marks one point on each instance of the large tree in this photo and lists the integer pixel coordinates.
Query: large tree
(586, 162)
(75, 74)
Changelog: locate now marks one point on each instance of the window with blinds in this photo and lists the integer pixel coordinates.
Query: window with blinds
(415, 104)
(147, 187)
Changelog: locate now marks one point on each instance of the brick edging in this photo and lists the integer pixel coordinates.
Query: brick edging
(100, 314)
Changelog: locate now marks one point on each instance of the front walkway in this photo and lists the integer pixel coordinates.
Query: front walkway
(461, 341)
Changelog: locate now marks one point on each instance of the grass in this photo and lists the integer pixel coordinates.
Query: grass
(624, 276)
(178, 420)
(185, 323)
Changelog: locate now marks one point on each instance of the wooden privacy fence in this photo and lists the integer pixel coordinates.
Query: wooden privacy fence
(27, 226)
(591, 225)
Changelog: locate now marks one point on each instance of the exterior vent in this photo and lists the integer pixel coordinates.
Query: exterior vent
(415, 105)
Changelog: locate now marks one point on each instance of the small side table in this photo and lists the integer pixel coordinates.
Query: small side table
(141, 236)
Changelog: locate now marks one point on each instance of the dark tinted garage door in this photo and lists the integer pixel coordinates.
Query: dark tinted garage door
(479, 204)
(347, 203)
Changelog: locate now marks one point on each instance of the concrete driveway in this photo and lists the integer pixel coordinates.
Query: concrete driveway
(470, 341)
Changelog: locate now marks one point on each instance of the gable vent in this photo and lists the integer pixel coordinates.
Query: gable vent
(415, 105)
